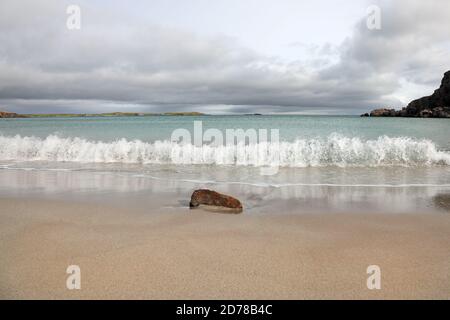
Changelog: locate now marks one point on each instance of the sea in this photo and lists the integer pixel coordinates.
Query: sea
(316, 163)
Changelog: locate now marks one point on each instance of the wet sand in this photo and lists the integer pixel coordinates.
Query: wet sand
(129, 252)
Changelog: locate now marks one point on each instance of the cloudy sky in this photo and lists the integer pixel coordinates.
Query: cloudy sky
(220, 56)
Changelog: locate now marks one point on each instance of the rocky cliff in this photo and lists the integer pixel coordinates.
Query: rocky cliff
(435, 106)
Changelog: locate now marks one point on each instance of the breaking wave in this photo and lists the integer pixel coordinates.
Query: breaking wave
(335, 150)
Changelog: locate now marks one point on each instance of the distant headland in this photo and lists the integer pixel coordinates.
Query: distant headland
(435, 106)
(4, 114)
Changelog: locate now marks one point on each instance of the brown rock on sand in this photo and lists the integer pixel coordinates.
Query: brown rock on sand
(213, 198)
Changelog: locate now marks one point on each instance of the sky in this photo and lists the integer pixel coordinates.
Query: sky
(220, 56)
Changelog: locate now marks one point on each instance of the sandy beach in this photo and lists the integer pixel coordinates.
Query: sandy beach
(193, 254)
(224, 150)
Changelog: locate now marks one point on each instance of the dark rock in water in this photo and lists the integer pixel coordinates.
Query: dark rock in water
(435, 106)
(213, 198)
(365, 115)
(442, 201)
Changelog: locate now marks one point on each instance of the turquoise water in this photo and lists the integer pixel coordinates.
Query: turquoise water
(150, 129)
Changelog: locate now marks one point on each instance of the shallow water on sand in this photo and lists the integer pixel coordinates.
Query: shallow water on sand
(294, 191)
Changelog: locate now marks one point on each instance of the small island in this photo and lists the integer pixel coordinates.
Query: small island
(435, 106)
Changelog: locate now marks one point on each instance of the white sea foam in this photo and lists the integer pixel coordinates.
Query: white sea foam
(335, 150)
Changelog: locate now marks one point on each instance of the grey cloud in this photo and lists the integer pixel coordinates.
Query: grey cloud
(116, 63)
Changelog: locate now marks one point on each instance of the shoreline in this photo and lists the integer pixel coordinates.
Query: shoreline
(182, 254)
(167, 188)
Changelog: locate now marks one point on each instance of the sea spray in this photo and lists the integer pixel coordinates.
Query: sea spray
(335, 150)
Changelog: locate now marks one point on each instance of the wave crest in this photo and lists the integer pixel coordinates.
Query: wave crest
(335, 150)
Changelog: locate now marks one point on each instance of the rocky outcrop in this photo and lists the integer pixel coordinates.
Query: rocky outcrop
(4, 114)
(213, 198)
(439, 99)
(435, 106)
(382, 112)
